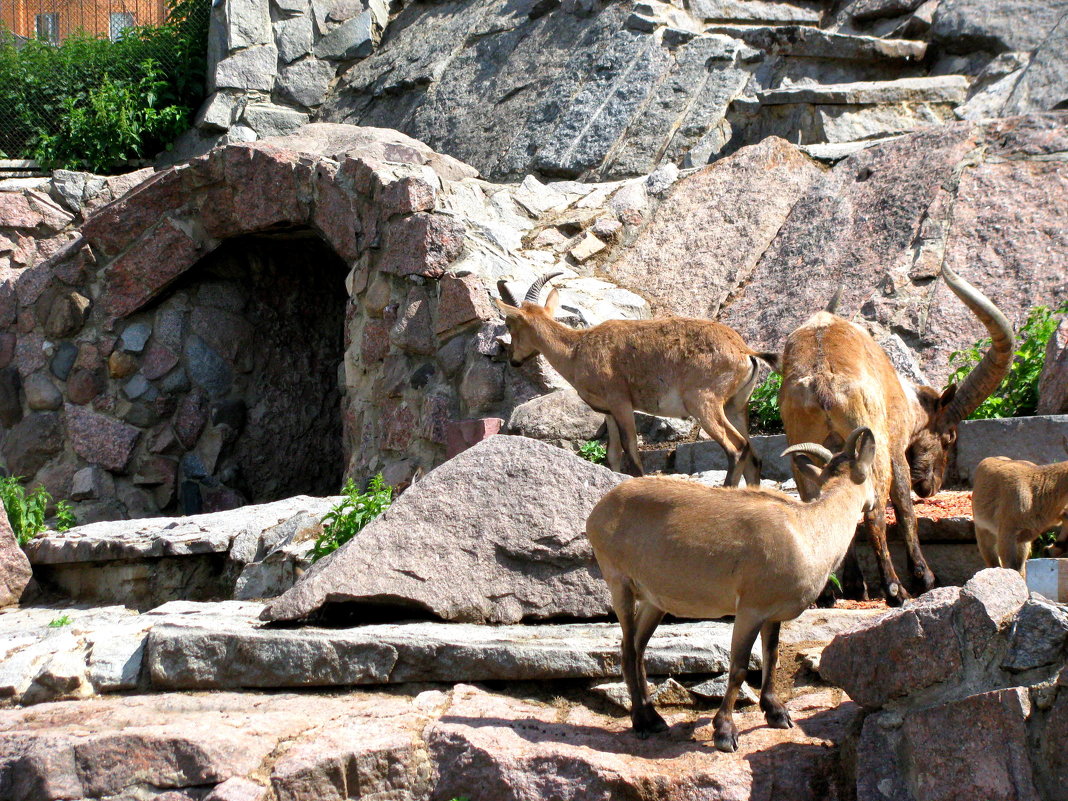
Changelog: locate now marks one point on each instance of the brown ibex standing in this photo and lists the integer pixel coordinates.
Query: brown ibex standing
(835, 378)
(672, 366)
(667, 545)
(1013, 503)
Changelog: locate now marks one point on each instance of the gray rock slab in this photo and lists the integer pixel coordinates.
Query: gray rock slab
(1036, 439)
(167, 536)
(705, 455)
(237, 653)
(266, 119)
(935, 89)
(793, 40)
(350, 39)
(1044, 83)
(997, 25)
(253, 68)
(305, 82)
(507, 544)
(754, 11)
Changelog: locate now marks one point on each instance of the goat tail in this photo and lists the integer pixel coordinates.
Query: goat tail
(772, 360)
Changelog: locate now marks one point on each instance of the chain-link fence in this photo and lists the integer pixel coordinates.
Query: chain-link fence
(83, 59)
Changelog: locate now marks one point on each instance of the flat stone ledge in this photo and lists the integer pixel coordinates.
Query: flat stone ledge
(166, 536)
(796, 40)
(238, 653)
(941, 89)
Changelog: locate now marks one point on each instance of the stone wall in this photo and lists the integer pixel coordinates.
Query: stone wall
(262, 321)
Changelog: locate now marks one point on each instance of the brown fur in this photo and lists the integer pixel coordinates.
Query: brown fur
(836, 378)
(1013, 503)
(673, 366)
(667, 545)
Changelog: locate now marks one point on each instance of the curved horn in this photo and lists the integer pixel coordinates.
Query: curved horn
(850, 445)
(832, 304)
(810, 449)
(506, 293)
(985, 376)
(534, 293)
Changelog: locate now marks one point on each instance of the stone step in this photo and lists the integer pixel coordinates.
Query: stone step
(805, 42)
(239, 652)
(57, 652)
(939, 89)
(755, 11)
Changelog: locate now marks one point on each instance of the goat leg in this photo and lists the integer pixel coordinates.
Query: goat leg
(875, 527)
(744, 636)
(775, 713)
(901, 498)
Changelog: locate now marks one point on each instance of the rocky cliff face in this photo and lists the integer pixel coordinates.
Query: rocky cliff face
(594, 90)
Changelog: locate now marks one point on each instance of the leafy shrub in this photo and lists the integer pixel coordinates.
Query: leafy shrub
(593, 451)
(764, 412)
(355, 511)
(1017, 396)
(114, 101)
(26, 513)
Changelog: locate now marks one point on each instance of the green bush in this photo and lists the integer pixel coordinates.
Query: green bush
(26, 512)
(355, 511)
(93, 103)
(593, 451)
(1017, 396)
(764, 413)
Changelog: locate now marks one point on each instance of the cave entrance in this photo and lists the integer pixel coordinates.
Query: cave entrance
(261, 321)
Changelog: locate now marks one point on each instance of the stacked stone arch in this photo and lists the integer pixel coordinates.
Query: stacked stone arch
(175, 383)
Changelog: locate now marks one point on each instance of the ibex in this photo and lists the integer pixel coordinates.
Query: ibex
(1013, 502)
(673, 366)
(835, 378)
(668, 545)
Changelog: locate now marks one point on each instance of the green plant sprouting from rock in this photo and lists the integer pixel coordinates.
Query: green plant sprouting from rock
(1017, 396)
(59, 622)
(593, 451)
(764, 411)
(26, 512)
(347, 519)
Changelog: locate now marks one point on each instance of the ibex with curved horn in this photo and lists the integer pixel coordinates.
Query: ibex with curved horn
(673, 366)
(667, 545)
(1013, 503)
(835, 378)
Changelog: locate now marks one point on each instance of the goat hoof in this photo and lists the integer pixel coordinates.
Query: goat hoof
(649, 723)
(896, 595)
(726, 741)
(779, 719)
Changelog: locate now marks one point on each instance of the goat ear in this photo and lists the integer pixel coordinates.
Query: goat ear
(947, 395)
(552, 303)
(506, 310)
(865, 455)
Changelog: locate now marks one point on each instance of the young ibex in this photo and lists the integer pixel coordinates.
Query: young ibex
(673, 366)
(1013, 503)
(667, 545)
(835, 378)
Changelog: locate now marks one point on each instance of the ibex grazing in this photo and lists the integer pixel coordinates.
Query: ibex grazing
(835, 378)
(1013, 502)
(673, 366)
(667, 545)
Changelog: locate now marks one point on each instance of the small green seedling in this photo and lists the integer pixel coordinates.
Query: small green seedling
(355, 511)
(59, 622)
(593, 451)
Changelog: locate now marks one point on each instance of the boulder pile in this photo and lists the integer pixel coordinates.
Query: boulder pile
(965, 692)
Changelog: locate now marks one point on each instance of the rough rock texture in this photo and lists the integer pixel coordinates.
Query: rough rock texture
(692, 254)
(1053, 383)
(15, 572)
(560, 418)
(431, 745)
(982, 662)
(508, 546)
(253, 552)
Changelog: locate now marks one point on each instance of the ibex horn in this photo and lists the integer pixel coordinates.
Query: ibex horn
(985, 376)
(506, 293)
(832, 304)
(534, 293)
(810, 449)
